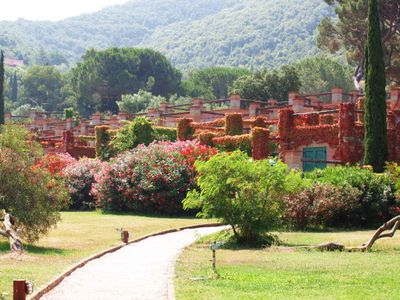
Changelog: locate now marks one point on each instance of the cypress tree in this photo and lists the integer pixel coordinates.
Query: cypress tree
(14, 88)
(376, 149)
(1, 88)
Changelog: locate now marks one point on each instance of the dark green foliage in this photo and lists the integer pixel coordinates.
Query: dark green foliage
(264, 85)
(377, 202)
(1, 88)
(68, 113)
(212, 83)
(103, 138)
(43, 87)
(192, 33)
(14, 87)
(376, 149)
(348, 31)
(103, 76)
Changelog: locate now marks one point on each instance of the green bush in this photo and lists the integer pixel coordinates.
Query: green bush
(243, 193)
(137, 132)
(104, 149)
(377, 192)
(165, 133)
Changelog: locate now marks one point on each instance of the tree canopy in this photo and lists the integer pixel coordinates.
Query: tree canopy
(320, 74)
(264, 84)
(43, 87)
(348, 31)
(103, 76)
(212, 83)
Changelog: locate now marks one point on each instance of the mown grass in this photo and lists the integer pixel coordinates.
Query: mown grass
(77, 236)
(284, 273)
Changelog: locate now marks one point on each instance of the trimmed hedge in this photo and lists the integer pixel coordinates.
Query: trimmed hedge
(165, 133)
(234, 124)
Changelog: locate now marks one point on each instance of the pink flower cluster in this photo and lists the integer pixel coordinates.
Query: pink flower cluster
(151, 179)
(79, 178)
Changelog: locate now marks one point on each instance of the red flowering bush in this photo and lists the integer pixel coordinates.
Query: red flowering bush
(29, 193)
(55, 163)
(322, 205)
(79, 178)
(151, 179)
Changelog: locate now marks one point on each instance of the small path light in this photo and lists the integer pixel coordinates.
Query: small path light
(124, 235)
(21, 288)
(214, 246)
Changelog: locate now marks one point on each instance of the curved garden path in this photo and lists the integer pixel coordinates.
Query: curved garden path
(142, 270)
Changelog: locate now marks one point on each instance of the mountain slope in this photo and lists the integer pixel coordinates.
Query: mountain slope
(192, 33)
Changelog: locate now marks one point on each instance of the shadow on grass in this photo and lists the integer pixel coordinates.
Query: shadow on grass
(152, 215)
(32, 249)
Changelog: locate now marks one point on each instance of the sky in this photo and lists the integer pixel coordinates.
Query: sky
(51, 9)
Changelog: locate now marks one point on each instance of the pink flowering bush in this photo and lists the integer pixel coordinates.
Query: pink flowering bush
(79, 178)
(321, 206)
(151, 179)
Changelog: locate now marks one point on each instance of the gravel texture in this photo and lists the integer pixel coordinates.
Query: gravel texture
(142, 270)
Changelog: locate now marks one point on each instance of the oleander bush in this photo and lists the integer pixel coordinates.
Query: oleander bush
(150, 179)
(322, 206)
(79, 179)
(55, 163)
(377, 202)
(29, 192)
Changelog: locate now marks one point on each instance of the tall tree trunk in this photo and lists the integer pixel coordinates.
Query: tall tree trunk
(376, 149)
(12, 235)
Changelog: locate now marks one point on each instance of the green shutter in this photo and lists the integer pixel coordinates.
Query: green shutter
(314, 153)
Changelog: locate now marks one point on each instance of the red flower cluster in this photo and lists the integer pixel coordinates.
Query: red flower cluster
(55, 163)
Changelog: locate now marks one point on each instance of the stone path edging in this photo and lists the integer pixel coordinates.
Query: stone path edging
(56, 281)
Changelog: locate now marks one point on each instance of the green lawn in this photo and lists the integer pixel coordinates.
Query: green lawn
(283, 273)
(77, 236)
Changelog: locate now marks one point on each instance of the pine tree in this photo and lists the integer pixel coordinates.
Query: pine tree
(376, 149)
(1, 88)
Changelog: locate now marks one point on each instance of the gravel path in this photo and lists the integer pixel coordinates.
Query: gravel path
(142, 270)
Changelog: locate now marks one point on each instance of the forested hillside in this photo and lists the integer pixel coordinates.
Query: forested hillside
(192, 33)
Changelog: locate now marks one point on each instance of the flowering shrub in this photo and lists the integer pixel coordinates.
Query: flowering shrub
(79, 178)
(152, 179)
(55, 163)
(376, 192)
(322, 205)
(29, 192)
